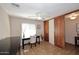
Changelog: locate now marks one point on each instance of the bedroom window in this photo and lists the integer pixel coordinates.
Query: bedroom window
(28, 30)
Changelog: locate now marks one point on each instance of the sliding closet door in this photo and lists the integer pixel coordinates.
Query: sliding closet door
(46, 30)
(51, 31)
(59, 31)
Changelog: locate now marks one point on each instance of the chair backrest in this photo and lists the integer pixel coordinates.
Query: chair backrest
(33, 39)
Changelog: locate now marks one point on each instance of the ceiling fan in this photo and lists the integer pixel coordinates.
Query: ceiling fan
(15, 5)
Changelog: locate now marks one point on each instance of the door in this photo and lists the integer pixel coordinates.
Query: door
(46, 30)
(51, 31)
(59, 31)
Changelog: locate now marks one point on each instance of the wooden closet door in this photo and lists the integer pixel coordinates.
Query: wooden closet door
(59, 31)
(46, 30)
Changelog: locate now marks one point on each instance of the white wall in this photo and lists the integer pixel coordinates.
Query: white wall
(70, 30)
(4, 24)
(15, 25)
(51, 31)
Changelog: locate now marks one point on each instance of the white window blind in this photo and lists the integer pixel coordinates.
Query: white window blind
(28, 30)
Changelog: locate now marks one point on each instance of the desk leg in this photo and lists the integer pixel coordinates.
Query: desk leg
(22, 44)
(75, 42)
(39, 40)
(36, 40)
(19, 50)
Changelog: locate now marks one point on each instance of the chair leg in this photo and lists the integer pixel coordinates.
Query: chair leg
(35, 44)
(31, 45)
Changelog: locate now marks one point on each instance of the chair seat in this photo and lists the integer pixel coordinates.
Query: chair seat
(33, 40)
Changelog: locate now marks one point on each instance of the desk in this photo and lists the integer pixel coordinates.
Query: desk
(24, 39)
(76, 39)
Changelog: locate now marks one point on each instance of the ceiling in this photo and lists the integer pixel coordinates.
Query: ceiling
(73, 15)
(39, 11)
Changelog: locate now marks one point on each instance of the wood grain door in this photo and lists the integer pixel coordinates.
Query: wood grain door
(59, 31)
(46, 30)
